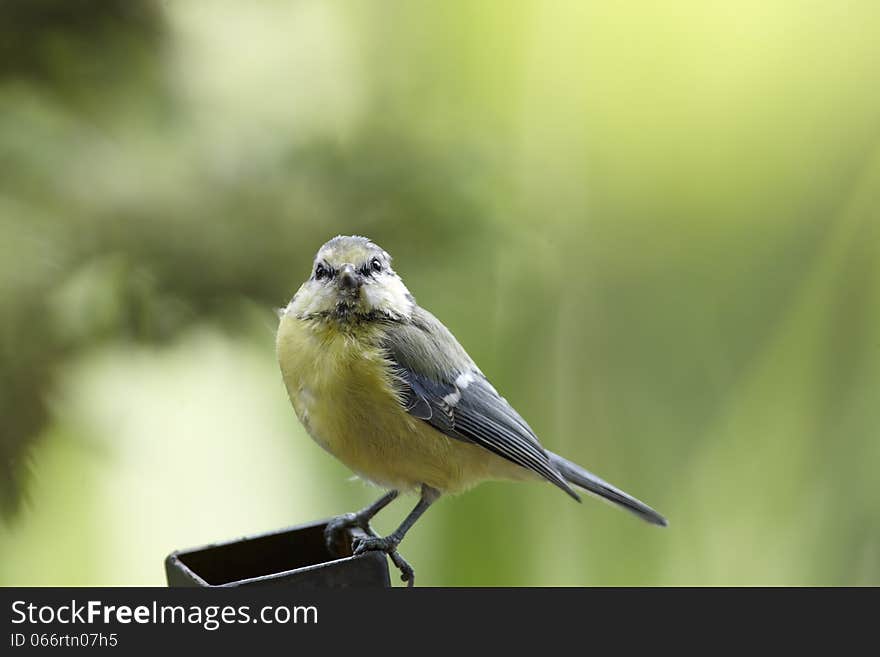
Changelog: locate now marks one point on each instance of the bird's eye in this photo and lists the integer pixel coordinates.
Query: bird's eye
(376, 265)
(320, 272)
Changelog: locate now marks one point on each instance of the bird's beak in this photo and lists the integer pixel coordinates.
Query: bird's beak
(349, 279)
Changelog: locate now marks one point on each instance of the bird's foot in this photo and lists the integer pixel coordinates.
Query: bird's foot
(336, 529)
(388, 545)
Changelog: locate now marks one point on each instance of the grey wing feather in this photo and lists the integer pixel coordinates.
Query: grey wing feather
(442, 386)
(424, 398)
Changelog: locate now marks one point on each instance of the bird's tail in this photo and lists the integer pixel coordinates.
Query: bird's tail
(576, 475)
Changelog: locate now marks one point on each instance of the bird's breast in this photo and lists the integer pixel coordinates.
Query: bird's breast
(341, 387)
(343, 391)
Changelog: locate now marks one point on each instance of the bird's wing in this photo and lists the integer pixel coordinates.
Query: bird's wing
(441, 385)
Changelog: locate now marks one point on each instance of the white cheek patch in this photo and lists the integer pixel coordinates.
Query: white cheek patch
(388, 294)
(311, 299)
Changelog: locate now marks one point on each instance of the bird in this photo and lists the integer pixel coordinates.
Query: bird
(382, 385)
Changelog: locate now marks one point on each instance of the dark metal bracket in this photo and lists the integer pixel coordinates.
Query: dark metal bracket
(293, 557)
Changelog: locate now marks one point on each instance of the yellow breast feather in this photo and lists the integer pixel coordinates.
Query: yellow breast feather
(344, 392)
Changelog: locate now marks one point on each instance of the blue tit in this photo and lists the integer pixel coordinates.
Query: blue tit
(383, 385)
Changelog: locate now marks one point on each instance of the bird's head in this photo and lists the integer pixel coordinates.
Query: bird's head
(352, 281)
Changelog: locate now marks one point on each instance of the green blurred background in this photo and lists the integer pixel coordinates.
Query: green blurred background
(653, 225)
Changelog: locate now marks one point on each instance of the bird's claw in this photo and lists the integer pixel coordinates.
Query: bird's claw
(388, 545)
(407, 574)
(335, 529)
(363, 544)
